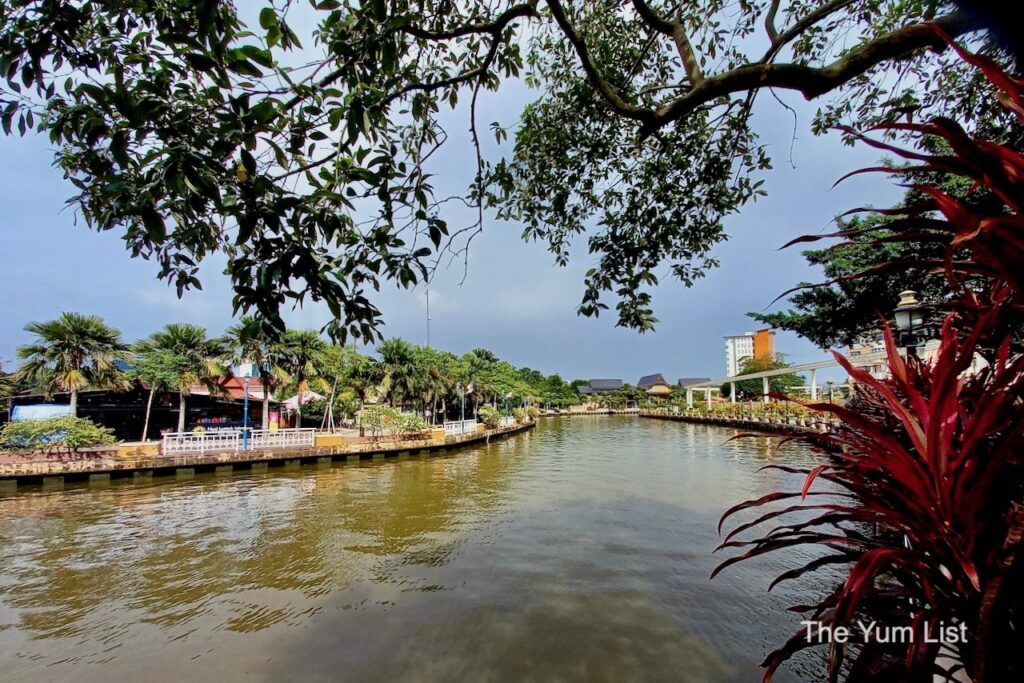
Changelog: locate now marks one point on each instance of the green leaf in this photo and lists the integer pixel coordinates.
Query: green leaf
(200, 61)
(258, 55)
(245, 67)
(248, 162)
(156, 229)
(268, 18)
(274, 36)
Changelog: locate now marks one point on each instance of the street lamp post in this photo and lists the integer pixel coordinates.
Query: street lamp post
(909, 320)
(462, 417)
(245, 371)
(245, 416)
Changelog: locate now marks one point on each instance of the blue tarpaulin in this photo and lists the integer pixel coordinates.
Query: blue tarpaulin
(39, 411)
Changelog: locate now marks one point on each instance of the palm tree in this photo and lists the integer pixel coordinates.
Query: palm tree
(403, 376)
(198, 360)
(477, 369)
(71, 353)
(438, 379)
(156, 368)
(249, 342)
(300, 353)
(364, 375)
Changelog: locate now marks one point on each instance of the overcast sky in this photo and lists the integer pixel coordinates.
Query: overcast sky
(513, 301)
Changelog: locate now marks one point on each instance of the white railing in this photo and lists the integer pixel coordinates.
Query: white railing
(506, 421)
(459, 427)
(282, 438)
(231, 440)
(201, 442)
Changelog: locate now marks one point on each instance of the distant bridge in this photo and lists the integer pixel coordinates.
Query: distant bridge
(811, 368)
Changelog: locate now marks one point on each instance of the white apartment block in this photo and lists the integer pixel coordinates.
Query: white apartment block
(737, 348)
(869, 344)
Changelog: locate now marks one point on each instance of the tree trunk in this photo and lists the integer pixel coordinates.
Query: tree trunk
(303, 387)
(181, 411)
(149, 408)
(74, 403)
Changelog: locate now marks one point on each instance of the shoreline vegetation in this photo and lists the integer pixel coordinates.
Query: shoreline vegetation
(182, 379)
(331, 448)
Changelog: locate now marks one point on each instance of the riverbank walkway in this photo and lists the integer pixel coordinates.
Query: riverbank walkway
(811, 369)
(327, 448)
(809, 426)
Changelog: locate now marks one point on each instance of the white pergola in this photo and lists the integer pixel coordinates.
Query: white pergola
(810, 368)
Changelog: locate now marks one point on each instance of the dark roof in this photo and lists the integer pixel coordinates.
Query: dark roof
(584, 389)
(599, 385)
(648, 381)
(687, 381)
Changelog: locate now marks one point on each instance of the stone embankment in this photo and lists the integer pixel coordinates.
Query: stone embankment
(146, 464)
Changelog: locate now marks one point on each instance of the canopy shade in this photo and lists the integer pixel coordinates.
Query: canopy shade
(293, 402)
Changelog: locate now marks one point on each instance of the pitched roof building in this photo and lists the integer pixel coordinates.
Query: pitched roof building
(599, 386)
(648, 381)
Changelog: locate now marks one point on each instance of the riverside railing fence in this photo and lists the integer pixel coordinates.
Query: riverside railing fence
(457, 427)
(232, 440)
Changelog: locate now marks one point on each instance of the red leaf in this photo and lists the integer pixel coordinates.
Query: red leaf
(811, 476)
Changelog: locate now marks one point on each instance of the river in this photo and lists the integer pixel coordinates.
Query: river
(579, 551)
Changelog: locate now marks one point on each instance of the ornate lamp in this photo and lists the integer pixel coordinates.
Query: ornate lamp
(910, 320)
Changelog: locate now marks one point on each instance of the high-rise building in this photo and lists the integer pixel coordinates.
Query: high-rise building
(760, 344)
(764, 344)
(738, 348)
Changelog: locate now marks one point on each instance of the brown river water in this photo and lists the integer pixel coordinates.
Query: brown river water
(579, 551)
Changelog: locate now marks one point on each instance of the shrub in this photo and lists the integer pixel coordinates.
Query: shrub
(489, 415)
(533, 412)
(70, 433)
(521, 415)
(925, 507)
(379, 420)
(407, 424)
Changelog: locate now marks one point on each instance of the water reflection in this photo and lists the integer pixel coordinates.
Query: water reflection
(577, 552)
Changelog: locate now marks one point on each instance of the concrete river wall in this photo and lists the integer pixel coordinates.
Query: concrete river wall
(328, 448)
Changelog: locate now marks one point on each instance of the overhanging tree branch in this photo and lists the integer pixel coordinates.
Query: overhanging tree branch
(603, 87)
(677, 32)
(769, 21)
(781, 40)
(810, 81)
(528, 9)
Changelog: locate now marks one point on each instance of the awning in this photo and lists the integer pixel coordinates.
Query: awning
(293, 402)
(40, 411)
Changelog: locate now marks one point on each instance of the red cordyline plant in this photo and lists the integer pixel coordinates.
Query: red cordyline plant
(923, 496)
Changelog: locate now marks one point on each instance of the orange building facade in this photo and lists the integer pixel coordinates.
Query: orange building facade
(764, 344)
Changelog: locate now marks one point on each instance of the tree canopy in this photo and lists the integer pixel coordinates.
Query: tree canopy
(837, 313)
(754, 388)
(72, 353)
(862, 286)
(309, 159)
